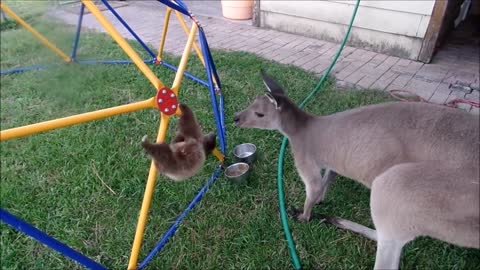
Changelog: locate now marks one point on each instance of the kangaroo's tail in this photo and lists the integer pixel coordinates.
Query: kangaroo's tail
(351, 226)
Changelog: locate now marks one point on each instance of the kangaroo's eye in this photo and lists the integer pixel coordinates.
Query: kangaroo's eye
(259, 114)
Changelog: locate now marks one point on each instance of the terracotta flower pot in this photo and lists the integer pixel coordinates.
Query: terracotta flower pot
(237, 9)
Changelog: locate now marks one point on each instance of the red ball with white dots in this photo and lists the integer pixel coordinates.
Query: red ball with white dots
(167, 101)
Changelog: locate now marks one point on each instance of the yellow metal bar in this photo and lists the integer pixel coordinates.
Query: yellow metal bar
(123, 44)
(39, 36)
(185, 29)
(218, 155)
(164, 33)
(184, 59)
(74, 119)
(195, 45)
(147, 198)
(215, 152)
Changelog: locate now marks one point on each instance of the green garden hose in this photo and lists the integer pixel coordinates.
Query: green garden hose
(281, 156)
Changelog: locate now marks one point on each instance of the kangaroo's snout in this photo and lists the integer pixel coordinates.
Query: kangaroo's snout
(236, 119)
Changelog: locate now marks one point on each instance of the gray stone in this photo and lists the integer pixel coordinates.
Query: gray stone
(460, 87)
(355, 77)
(475, 85)
(361, 54)
(280, 54)
(474, 95)
(438, 98)
(366, 82)
(423, 88)
(450, 99)
(464, 106)
(402, 79)
(432, 72)
(344, 85)
(380, 84)
(315, 62)
(303, 44)
(425, 94)
(404, 62)
(294, 43)
(459, 76)
(458, 94)
(347, 71)
(391, 60)
(443, 88)
(389, 76)
(378, 59)
(306, 57)
(340, 65)
(320, 68)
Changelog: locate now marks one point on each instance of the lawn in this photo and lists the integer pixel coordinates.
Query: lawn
(58, 180)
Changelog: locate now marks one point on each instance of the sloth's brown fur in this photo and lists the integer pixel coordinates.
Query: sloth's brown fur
(186, 154)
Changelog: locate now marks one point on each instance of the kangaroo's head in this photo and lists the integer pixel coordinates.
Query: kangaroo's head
(264, 112)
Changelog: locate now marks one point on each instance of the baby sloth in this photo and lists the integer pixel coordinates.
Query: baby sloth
(185, 155)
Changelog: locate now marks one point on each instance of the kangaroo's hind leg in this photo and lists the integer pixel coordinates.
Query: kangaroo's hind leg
(393, 204)
(389, 253)
(427, 198)
(327, 178)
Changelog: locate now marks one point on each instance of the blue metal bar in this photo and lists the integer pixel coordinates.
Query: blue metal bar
(3, 15)
(171, 231)
(47, 240)
(86, 61)
(212, 64)
(23, 69)
(179, 7)
(182, 4)
(222, 114)
(219, 85)
(213, 99)
(77, 34)
(188, 75)
(105, 2)
(94, 61)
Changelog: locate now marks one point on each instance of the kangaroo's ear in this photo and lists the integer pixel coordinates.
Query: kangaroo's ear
(273, 100)
(271, 85)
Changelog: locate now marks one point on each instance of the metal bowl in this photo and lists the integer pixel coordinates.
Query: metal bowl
(238, 172)
(245, 152)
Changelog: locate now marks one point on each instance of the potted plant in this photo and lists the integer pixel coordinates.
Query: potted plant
(237, 9)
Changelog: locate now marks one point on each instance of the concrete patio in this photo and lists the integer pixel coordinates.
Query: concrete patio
(454, 72)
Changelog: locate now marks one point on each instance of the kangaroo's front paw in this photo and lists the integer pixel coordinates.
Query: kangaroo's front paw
(298, 215)
(294, 212)
(303, 218)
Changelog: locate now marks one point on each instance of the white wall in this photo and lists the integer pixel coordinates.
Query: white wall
(393, 27)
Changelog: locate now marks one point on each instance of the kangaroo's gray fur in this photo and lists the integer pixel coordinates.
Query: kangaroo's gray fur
(421, 162)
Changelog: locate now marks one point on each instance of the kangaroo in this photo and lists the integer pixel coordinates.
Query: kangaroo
(187, 152)
(421, 162)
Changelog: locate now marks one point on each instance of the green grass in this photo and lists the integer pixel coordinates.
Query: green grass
(54, 180)
(8, 25)
(29, 11)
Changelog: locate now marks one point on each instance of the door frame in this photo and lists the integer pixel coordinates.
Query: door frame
(433, 31)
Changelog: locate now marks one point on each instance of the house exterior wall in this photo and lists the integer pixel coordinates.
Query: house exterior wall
(392, 27)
